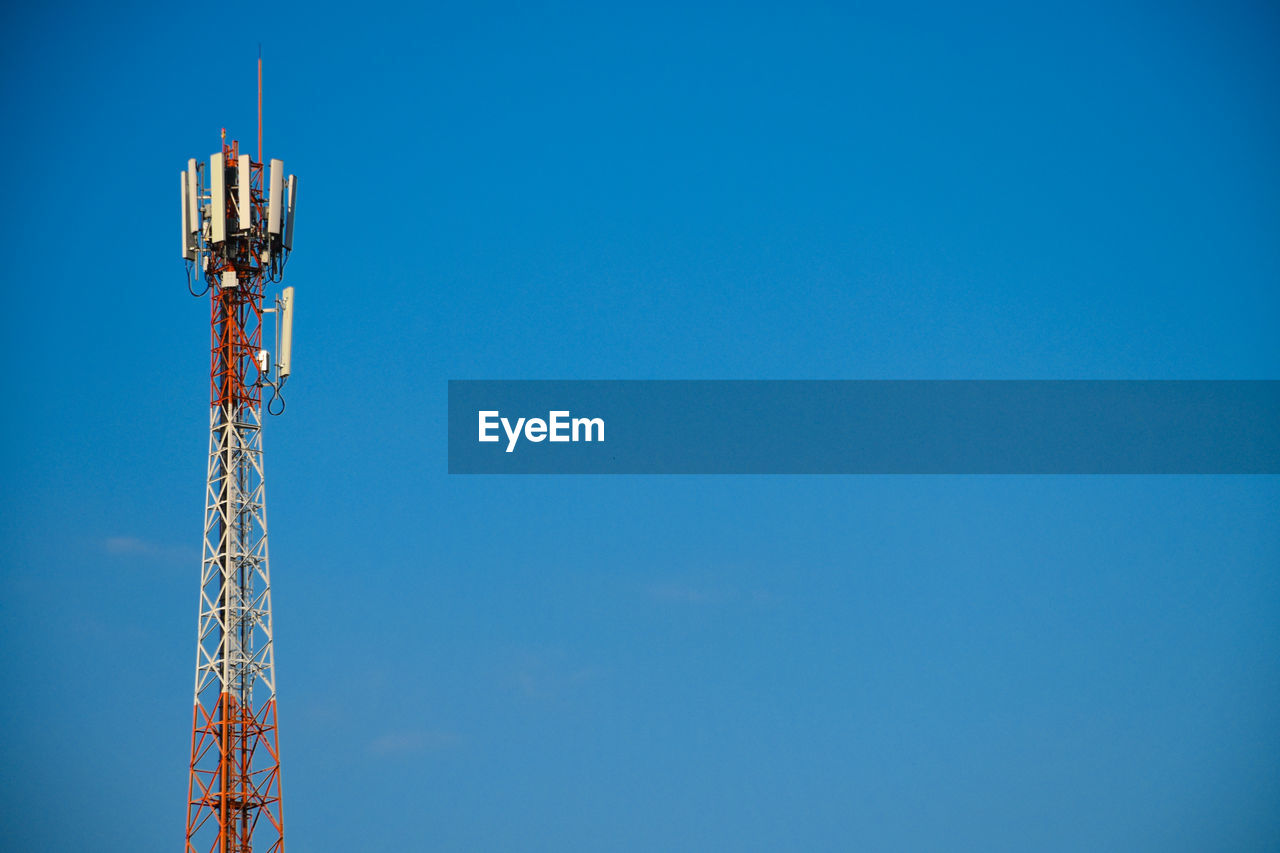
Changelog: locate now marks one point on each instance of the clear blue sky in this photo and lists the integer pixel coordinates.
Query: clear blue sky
(1078, 190)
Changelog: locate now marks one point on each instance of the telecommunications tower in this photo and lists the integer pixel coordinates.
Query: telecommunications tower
(237, 231)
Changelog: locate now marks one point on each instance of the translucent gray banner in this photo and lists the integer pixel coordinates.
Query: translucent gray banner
(864, 427)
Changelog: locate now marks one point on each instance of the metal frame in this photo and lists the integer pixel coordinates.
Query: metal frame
(234, 801)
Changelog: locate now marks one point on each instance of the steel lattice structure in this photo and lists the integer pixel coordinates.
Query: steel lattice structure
(237, 232)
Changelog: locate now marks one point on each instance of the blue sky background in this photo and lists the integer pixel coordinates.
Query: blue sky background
(1083, 190)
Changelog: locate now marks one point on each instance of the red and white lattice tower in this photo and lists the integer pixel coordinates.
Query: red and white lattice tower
(237, 232)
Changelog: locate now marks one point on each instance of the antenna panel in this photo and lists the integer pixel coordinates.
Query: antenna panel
(193, 197)
(244, 200)
(274, 207)
(186, 214)
(291, 198)
(286, 330)
(218, 197)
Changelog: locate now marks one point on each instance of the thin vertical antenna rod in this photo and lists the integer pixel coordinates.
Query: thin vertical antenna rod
(259, 103)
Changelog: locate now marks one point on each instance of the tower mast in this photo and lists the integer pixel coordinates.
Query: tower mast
(237, 231)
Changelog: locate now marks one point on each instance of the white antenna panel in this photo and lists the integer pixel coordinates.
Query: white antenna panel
(274, 208)
(286, 330)
(193, 197)
(218, 197)
(186, 214)
(244, 201)
(291, 199)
